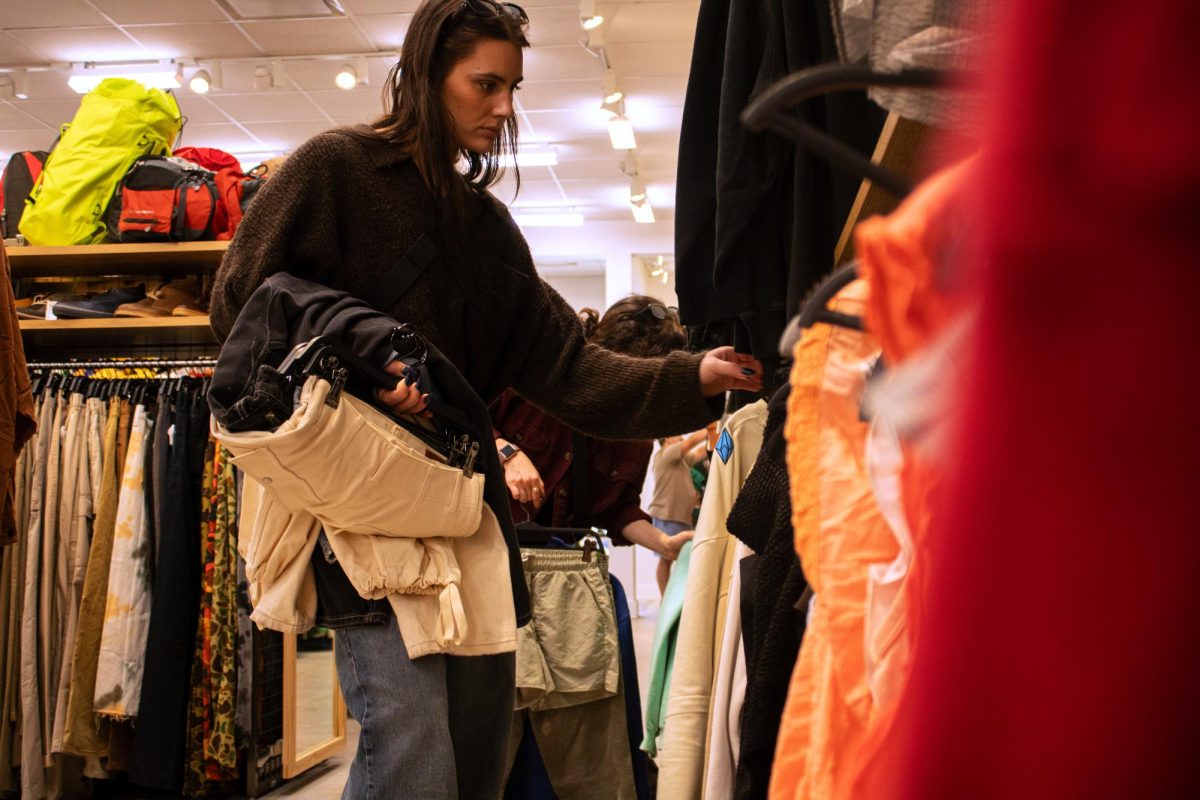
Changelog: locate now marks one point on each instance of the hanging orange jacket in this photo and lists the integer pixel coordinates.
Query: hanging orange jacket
(839, 531)
(915, 312)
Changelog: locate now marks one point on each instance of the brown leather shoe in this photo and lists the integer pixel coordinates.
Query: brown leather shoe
(162, 301)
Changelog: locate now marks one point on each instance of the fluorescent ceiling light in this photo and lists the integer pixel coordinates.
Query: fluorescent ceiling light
(158, 77)
(532, 158)
(642, 212)
(541, 219)
(620, 132)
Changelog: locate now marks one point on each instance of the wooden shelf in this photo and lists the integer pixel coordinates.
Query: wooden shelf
(173, 331)
(116, 259)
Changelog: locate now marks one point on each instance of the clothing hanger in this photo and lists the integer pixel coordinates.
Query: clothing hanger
(345, 370)
(815, 308)
(771, 110)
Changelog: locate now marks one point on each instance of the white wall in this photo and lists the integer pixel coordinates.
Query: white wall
(613, 242)
(579, 290)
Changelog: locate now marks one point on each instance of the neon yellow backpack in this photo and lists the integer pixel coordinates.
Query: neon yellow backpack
(117, 122)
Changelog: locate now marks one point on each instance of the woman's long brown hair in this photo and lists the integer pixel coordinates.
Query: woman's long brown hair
(442, 33)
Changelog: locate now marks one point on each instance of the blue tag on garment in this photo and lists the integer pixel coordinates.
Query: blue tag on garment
(725, 446)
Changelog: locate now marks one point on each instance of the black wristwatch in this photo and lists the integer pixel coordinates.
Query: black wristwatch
(508, 451)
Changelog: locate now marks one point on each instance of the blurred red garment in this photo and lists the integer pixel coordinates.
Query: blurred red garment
(1059, 653)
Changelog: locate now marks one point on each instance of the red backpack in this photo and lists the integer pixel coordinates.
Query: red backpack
(164, 199)
(236, 190)
(16, 183)
(207, 157)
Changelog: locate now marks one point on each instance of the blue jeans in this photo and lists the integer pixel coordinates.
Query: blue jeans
(432, 729)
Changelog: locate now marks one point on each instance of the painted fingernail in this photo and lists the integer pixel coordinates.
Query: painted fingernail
(747, 371)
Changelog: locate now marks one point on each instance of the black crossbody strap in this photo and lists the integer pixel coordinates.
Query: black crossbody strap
(399, 278)
(581, 496)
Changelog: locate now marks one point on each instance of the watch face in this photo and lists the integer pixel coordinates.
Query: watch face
(507, 452)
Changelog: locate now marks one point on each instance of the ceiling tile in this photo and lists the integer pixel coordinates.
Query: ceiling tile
(14, 52)
(610, 167)
(567, 62)
(557, 25)
(651, 22)
(49, 14)
(268, 107)
(16, 115)
(54, 113)
(661, 59)
(298, 37)
(559, 126)
(127, 12)
(13, 141)
(225, 136)
(51, 85)
(386, 31)
(200, 110)
(81, 44)
(663, 90)
(560, 95)
(361, 7)
(287, 135)
(197, 39)
(361, 105)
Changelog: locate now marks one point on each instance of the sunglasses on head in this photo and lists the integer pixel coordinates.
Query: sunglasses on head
(660, 312)
(491, 7)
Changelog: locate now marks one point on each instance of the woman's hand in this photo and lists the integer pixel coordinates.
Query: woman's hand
(723, 370)
(524, 481)
(406, 398)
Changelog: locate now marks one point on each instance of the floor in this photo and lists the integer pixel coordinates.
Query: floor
(325, 781)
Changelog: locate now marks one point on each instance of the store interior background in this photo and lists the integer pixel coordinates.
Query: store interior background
(301, 45)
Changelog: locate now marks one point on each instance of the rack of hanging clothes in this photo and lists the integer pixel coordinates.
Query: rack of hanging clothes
(123, 624)
(791, 644)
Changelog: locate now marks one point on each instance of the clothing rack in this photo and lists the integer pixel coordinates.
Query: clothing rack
(131, 363)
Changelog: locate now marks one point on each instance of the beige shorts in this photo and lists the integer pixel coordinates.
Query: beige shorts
(568, 654)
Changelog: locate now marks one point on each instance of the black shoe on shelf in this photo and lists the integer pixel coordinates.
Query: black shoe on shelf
(37, 306)
(101, 305)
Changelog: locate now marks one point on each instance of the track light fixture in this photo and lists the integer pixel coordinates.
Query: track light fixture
(201, 82)
(612, 92)
(21, 84)
(206, 78)
(637, 191)
(620, 129)
(589, 20)
(352, 75)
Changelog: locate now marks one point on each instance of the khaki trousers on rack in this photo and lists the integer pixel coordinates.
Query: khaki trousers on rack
(82, 735)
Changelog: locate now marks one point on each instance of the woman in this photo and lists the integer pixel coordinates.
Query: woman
(538, 451)
(343, 210)
(675, 500)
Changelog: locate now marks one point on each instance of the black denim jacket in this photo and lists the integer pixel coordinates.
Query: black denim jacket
(247, 393)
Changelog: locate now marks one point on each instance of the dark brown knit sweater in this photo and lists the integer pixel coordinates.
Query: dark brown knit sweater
(343, 210)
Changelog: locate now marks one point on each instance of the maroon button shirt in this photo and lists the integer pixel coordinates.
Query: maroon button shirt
(618, 468)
